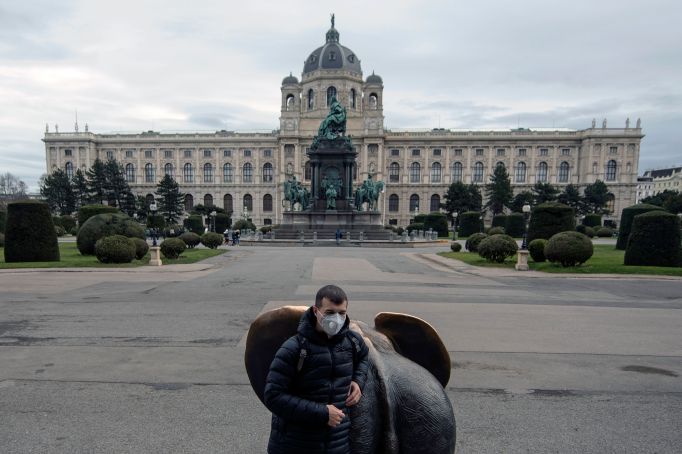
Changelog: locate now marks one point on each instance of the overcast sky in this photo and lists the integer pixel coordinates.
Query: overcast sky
(207, 65)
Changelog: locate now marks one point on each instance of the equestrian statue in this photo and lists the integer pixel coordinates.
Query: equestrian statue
(368, 192)
(294, 192)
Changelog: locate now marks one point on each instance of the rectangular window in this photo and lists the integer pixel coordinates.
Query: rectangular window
(110, 154)
(458, 152)
(416, 152)
(479, 151)
(395, 152)
(565, 152)
(129, 153)
(544, 152)
(267, 153)
(227, 153)
(68, 153)
(613, 150)
(188, 153)
(500, 152)
(522, 152)
(148, 154)
(437, 152)
(207, 153)
(247, 153)
(168, 154)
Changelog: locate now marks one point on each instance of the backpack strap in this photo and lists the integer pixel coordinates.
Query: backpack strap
(303, 344)
(356, 346)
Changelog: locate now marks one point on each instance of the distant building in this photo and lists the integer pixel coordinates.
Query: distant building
(238, 170)
(658, 180)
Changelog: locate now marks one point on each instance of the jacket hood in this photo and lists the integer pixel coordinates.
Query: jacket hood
(306, 328)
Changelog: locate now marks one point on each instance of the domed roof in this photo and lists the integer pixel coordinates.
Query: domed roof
(374, 79)
(290, 79)
(332, 55)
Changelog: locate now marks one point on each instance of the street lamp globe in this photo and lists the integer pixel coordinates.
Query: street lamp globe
(526, 208)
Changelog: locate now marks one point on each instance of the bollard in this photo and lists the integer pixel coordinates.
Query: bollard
(347, 236)
(403, 237)
(362, 236)
(314, 237)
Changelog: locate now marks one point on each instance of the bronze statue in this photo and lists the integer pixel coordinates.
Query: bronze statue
(368, 192)
(294, 193)
(333, 127)
(331, 188)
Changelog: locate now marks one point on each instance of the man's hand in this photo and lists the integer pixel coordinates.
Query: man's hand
(335, 416)
(354, 394)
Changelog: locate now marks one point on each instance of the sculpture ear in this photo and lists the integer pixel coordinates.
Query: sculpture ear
(266, 335)
(417, 341)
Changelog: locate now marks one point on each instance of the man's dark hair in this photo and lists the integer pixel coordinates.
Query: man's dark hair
(332, 293)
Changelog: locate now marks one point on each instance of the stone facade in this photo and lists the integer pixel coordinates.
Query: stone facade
(241, 169)
(658, 180)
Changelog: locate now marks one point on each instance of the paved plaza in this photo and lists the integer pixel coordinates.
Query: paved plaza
(151, 360)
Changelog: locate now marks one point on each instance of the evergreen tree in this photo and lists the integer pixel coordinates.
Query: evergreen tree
(80, 189)
(499, 191)
(141, 208)
(571, 197)
(129, 204)
(171, 201)
(673, 202)
(660, 198)
(57, 190)
(97, 182)
(545, 192)
(596, 197)
(520, 200)
(461, 198)
(117, 186)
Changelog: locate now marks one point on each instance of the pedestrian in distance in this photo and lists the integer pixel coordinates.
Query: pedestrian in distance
(338, 237)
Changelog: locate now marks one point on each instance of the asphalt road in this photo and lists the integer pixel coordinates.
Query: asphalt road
(151, 360)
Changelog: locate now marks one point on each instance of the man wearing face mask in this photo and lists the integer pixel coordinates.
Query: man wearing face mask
(315, 377)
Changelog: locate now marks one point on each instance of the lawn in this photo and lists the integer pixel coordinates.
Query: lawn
(606, 259)
(70, 257)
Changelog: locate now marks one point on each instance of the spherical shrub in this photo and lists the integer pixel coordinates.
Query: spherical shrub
(59, 230)
(536, 248)
(515, 225)
(592, 220)
(191, 239)
(29, 233)
(115, 249)
(626, 218)
(496, 231)
(455, 246)
(473, 241)
(655, 240)
(605, 232)
(212, 240)
(171, 248)
(87, 211)
(469, 223)
(569, 248)
(243, 224)
(106, 224)
(585, 230)
(496, 248)
(550, 218)
(141, 247)
(174, 230)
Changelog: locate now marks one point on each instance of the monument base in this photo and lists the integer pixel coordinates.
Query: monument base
(326, 222)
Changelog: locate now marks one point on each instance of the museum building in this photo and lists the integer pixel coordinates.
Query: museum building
(245, 171)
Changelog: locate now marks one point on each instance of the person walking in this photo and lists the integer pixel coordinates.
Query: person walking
(338, 237)
(226, 236)
(235, 237)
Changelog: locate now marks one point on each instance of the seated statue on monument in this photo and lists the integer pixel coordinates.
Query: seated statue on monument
(294, 192)
(368, 192)
(333, 127)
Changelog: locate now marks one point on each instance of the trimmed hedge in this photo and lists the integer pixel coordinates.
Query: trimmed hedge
(438, 222)
(212, 240)
(3, 220)
(30, 234)
(569, 248)
(171, 248)
(605, 232)
(515, 225)
(243, 224)
(2, 240)
(626, 217)
(191, 239)
(592, 220)
(655, 240)
(455, 246)
(497, 248)
(107, 224)
(87, 211)
(222, 222)
(499, 220)
(141, 247)
(585, 230)
(536, 248)
(115, 249)
(195, 224)
(173, 230)
(550, 218)
(496, 231)
(470, 222)
(414, 227)
(473, 241)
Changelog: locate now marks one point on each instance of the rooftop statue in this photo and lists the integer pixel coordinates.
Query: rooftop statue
(333, 127)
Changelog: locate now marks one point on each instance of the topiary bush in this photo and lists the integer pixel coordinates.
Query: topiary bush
(173, 230)
(585, 230)
(497, 248)
(592, 220)
(569, 248)
(59, 230)
(550, 218)
(195, 224)
(115, 249)
(536, 248)
(141, 247)
(455, 246)
(470, 222)
(191, 239)
(107, 224)
(212, 240)
(29, 233)
(473, 241)
(496, 231)
(515, 225)
(243, 224)
(2, 240)
(413, 227)
(438, 222)
(655, 240)
(626, 218)
(87, 211)
(499, 220)
(3, 220)
(222, 222)
(171, 248)
(605, 232)
(68, 222)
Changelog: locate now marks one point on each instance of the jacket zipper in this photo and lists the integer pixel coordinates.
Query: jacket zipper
(331, 392)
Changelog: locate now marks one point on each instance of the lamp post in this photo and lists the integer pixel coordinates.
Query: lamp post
(454, 228)
(383, 206)
(213, 215)
(153, 208)
(522, 254)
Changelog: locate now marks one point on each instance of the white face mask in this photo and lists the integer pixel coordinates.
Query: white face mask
(332, 323)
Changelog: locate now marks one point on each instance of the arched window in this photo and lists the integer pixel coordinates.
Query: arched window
(68, 168)
(130, 173)
(352, 98)
(227, 173)
(189, 202)
(457, 172)
(307, 172)
(290, 102)
(267, 202)
(394, 172)
(188, 173)
(208, 173)
(208, 200)
(521, 172)
(542, 172)
(393, 203)
(267, 173)
(148, 173)
(227, 203)
(331, 92)
(563, 172)
(248, 202)
(168, 169)
(414, 203)
(611, 170)
(435, 203)
(311, 99)
(247, 173)
(415, 172)
(435, 172)
(373, 101)
(478, 173)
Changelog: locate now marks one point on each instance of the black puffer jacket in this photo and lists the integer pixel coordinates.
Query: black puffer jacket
(298, 400)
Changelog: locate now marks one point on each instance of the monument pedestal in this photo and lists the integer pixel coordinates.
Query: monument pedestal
(155, 253)
(522, 260)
